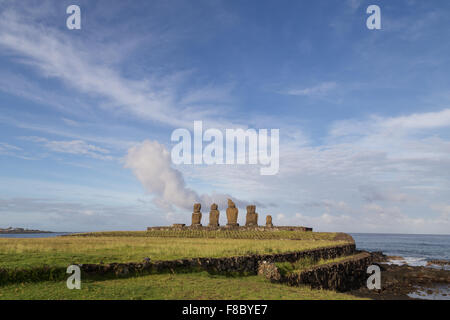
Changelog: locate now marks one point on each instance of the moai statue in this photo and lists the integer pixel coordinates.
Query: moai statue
(252, 217)
(269, 223)
(197, 215)
(214, 216)
(232, 214)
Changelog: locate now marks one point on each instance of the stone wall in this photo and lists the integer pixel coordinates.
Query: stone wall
(342, 276)
(240, 264)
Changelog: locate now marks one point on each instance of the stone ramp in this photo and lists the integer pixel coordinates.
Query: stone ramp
(344, 275)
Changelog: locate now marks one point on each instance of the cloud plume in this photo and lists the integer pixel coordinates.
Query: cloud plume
(151, 164)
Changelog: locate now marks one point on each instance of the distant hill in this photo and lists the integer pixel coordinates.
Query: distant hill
(21, 230)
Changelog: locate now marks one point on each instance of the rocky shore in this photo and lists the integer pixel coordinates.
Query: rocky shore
(407, 282)
(438, 263)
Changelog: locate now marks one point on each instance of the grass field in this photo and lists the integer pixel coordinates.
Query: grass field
(108, 247)
(170, 286)
(63, 251)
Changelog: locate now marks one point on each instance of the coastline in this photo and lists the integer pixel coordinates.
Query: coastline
(400, 281)
(413, 267)
(25, 232)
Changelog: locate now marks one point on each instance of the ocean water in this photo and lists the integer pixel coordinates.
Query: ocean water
(416, 249)
(33, 235)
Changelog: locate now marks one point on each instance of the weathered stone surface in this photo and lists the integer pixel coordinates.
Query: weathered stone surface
(197, 215)
(232, 214)
(214, 216)
(269, 223)
(269, 271)
(252, 217)
(341, 276)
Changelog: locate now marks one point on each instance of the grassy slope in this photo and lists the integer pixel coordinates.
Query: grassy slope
(63, 251)
(170, 286)
(134, 246)
(306, 263)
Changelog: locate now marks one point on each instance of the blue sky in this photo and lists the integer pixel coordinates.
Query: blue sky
(364, 115)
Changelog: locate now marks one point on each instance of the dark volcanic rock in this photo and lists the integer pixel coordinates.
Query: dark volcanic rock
(398, 281)
(341, 276)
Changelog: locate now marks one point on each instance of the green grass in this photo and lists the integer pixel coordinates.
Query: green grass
(158, 245)
(219, 234)
(63, 251)
(286, 268)
(196, 286)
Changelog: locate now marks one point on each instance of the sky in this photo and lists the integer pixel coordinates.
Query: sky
(86, 116)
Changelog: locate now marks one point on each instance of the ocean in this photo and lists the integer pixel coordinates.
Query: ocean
(416, 249)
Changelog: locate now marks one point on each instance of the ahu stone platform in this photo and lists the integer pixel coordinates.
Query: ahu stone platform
(179, 226)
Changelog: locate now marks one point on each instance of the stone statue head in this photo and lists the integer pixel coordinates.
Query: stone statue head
(251, 209)
(197, 207)
(231, 204)
(214, 206)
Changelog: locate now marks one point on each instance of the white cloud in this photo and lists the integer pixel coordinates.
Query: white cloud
(372, 218)
(317, 90)
(354, 4)
(388, 126)
(71, 60)
(14, 151)
(151, 164)
(73, 216)
(362, 177)
(6, 147)
(78, 147)
(428, 120)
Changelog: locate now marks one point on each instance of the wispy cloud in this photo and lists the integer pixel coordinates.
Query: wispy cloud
(7, 149)
(74, 147)
(68, 59)
(354, 4)
(315, 91)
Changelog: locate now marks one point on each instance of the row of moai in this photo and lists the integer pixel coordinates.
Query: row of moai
(232, 216)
